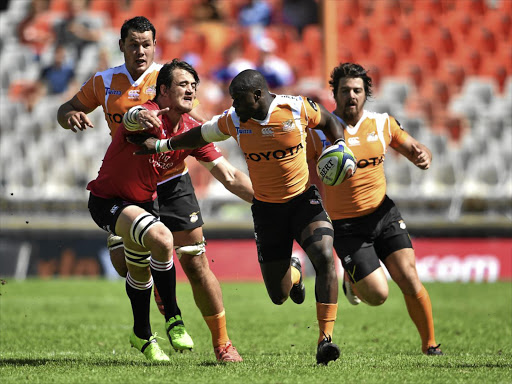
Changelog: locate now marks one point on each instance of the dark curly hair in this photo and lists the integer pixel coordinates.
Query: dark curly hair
(165, 76)
(138, 24)
(350, 70)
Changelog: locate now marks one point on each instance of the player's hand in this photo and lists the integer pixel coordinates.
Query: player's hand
(147, 142)
(79, 121)
(149, 118)
(421, 158)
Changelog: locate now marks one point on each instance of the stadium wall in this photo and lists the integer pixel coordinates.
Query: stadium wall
(232, 255)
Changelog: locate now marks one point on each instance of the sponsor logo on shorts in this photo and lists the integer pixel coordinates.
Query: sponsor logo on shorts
(402, 224)
(314, 201)
(347, 259)
(243, 131)
(194, 217)
(133, 94)
(372, 137)
(114, 209)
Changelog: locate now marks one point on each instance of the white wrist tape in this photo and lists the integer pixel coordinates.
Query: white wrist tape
(163, 146)
(130, 120)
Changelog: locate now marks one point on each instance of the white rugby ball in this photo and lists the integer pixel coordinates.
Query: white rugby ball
(336, 164)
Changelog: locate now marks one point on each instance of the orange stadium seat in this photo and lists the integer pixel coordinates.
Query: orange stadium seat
(475, 8)
(147, 8)
(500, 23)
(105, 6)
(58, 5)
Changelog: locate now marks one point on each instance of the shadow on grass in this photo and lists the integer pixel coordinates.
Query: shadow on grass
(35, 362)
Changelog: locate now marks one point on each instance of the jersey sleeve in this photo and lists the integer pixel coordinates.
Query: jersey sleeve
(207, 154)
(398, 135)
(312, 111)
(216, 129)
(86, 94)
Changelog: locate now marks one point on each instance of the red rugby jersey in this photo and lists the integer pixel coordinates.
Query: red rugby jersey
(134, 178)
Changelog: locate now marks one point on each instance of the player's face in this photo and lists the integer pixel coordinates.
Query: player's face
(245, 104)
(350, 98)
(139, 52)
(182, 91)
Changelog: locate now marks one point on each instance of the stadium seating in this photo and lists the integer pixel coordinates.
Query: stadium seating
(442, 68)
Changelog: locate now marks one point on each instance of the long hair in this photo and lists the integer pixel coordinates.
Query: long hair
(350, 70)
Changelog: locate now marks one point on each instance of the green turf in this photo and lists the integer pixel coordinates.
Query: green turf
(76, 331)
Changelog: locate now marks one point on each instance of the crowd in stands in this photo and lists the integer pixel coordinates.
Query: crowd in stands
(443, 68)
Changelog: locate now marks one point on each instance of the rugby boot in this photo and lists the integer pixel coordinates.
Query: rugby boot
(227, 353)
(327, 351)
(178, 336)
(149, 348)
(298, 291)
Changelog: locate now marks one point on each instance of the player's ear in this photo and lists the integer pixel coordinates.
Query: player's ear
(257, 94)
(121, 45)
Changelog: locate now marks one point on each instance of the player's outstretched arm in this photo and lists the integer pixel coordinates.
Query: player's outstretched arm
(417, 153)
(73, 115)
(234, 180)
(330, 125)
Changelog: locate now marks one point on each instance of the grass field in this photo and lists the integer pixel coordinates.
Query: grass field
(76, 331)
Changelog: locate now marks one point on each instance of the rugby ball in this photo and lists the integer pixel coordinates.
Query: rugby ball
(336, 164)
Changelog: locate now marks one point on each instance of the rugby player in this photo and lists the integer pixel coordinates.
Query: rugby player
(368, 227)
(116, 90)
(129, 183)
(271, 131)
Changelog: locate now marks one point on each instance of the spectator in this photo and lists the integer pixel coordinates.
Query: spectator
(35, 30)
(300, 13)
(77, 29)
(276, 71)
(58, 76)
(255, 13)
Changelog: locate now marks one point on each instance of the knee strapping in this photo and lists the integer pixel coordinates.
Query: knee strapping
(317, 236)
(140, 227)
(114, 242)
(137, 258)
(194, 249)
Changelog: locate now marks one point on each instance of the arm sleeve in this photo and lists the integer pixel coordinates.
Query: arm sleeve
(211, 130)
(86, 94)
(398, 135)
(312, 112)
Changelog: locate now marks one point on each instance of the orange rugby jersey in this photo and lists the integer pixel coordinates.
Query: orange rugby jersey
(368, 139)
(274, 148)
(116, 92)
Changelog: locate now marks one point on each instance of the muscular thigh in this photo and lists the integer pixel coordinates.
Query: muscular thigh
(354, 245)
(178, 206)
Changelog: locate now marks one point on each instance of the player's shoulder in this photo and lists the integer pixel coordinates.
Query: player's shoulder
(108, 73)
(189, 122)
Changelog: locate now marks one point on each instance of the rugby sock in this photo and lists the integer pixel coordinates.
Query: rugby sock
(164, 275)
(420, 311)
(326, 315)
(295, 275)
(217, 325)
(139, 293)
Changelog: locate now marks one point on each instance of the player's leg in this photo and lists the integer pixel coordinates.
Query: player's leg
(314, 232)
(274, 241)
(364, 278)
(116, 251)
(191, 251)
(394, 247)
(401, 265)
(107, 213)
